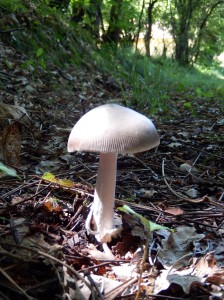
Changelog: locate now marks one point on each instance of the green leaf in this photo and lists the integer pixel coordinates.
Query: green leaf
(187, 105)
(42, 63)
(52, 178)
(198, 92)
(6, 171)
(28, 63)
(39, 52)
(49, 177)
(149, 226)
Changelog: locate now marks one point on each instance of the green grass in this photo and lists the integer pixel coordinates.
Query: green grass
(155, 81)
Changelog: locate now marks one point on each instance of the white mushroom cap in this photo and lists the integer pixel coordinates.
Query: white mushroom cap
(113, 128)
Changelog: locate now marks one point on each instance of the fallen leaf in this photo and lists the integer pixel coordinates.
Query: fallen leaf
(178, 245)
(98, 255)
(176, 211)
(188, 168)
(216, 278)
(192, 193)
(6, 171)
(52, 178)
(185, 281)
(8, 111)
(174, 145)
(124, 271)
(204, 266)
(11, 144)
(51, 205)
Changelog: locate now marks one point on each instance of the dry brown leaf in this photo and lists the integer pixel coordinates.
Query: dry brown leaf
(11, 144)
(51, 205)
(216, 278)
(204, 265)
(185, 281)
(8, 111)
(176, 211)
(98, 255)
(178, 246)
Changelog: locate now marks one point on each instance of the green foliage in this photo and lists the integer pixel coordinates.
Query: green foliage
(148, 225)
(6, 171)
(154, 82)
(47, 36)
(14, 6)
(197, 26)
(128, 16)
(212, 43)
(50, 39)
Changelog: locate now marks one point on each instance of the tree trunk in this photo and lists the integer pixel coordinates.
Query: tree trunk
(148, 35)
(182, 48)
(60, 4)
(114, 30)
(180, 29)
(197, 43)
(78, 14)
(139, 25)
(93, 11)
(95, 15)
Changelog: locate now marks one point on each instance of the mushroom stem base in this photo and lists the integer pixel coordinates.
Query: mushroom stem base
(100, 220)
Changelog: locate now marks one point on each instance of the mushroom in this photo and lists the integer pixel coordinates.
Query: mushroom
(110, 129)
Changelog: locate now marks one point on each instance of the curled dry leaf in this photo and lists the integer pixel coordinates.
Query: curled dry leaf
(10, 136)
(98, 255)
(177, 245)
(176, 211)
(51, 205)
(11, 144)
(188, 168)
(217, 278)
(185, 281)
(193, 193)
(15, 112)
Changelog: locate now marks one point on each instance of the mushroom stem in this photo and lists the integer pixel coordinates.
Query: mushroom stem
(100, 220)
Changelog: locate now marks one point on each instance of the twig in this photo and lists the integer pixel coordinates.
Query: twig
(24, 200)
(42, 284)
(169, 187)
(221, 197)
(10, 288)
(18, 188)
(182, 197)
(4, 297)
(188, 255)
(69, 78)
(12, 30)
(144, 259)
(19, 258)
(197, 158)
(93, 283)
(73, 271)
(144, 164)
(165, 297)
(14, 230)
(15, 284)
(119, 289)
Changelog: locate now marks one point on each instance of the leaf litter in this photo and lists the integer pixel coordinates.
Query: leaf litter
(44, 248)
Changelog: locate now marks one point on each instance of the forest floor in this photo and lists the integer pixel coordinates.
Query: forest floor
(45, 250)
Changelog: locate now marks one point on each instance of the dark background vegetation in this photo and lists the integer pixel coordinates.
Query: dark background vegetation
(106, 34)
